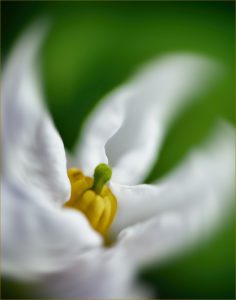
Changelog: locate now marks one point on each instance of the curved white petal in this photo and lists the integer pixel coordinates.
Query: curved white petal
(127, 128)
(39, 239)
(96, 275)
(160, 238)
(34, 154)
(197, 197)
(205, 176)
(100, 126)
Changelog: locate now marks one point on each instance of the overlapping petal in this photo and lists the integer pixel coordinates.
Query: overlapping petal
(34, 154)
(127, 128)
(99, 128)
(110, 276)
(184, 206)
(39, 239)
(38, 235)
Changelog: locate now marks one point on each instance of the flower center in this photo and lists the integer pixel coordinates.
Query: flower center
(93, 197)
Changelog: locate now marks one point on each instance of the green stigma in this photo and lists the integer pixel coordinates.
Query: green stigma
(102, 174)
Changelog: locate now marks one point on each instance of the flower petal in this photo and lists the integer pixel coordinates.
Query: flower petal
(159, 238)
(127, 128)
(96, 275)
(100, 126)
(39, 239)
(196, 197)
(34, 154)
(205, 177)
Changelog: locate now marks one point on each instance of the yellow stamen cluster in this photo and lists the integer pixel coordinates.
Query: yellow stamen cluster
(99, 205)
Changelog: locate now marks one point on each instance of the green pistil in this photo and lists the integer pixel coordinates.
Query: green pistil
(102, 174)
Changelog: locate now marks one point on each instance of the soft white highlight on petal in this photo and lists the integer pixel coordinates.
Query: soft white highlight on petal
(39, 239)
(34, 154)
(131, 122)
(203, 180)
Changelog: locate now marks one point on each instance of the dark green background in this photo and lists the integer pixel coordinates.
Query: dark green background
(95, 46)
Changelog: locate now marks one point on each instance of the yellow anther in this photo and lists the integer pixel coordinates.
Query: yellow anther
(79, 184)
(100, 208)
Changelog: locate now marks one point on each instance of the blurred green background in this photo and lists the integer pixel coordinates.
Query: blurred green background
(95, 46)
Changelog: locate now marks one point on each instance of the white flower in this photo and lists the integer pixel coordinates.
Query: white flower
(56, 248)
